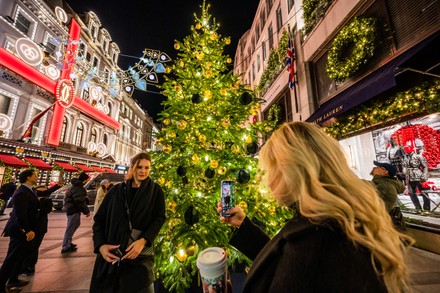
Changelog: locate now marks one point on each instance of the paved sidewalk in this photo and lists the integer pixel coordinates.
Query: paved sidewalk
(71, 273)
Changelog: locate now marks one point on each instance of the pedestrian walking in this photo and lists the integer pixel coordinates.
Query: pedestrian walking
(6, 193)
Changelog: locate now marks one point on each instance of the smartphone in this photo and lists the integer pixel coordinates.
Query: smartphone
(118, 253)
(227, 192)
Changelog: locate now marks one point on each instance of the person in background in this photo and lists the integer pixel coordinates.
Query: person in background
(386, 183)
(45, 207)
(100, 194)
(7, 191)
(20, 229)
(416, 171)
(75, 203)
(138, 204)
(340, 238)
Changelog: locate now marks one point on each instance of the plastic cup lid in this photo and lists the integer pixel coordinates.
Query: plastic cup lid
(211, 258)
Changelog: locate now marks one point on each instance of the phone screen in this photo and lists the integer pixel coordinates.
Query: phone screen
(227, 196)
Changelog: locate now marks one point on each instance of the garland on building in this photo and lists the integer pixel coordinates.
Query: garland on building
(420, 99)
(359, 37)
(313, 11)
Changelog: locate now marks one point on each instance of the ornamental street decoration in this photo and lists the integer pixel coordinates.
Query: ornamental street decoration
(29, 52)
(28, 72)
(65, 93)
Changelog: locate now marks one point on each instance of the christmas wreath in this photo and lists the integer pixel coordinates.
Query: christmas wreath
(357, 38)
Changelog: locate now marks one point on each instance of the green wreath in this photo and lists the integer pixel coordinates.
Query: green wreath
(359, 34)
(274, 113)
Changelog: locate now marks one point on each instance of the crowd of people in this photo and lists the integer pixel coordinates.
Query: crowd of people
(341, 237)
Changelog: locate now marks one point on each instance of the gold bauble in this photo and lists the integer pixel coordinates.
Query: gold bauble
(177, 46)
(207, 94)
(223, 91)
(221, 171)
(181, 255)
(235, 149)
(202, 138)
(166, 121)
(167, 148)
(172, 135)
(226, 122)
(213, 36)
(167, 69)
(159, 141)
(271, 210)
(178, 87)
(243, 205)
(227, 41)
(198, 26)
(200, 56)
(248, 139)
(195, 158)
(172, 206)
(161, 180)
(168, 184)
(182, 124)
(208, 64)
(181, 63)
(208, 73)
(228, 60)
(191, 250)
(214, 164)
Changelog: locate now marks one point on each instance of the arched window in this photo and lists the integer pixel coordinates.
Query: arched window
(79, 134)
(105, 139)
(109, 109)
(64, 130)
(93, 135)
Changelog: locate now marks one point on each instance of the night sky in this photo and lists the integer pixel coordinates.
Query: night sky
(135, 25)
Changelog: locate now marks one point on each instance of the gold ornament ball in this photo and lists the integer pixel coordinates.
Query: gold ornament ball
(191, 250)
(159, 141)
(208, 64)
(181, 63)
(166, 121)
(222, 171)
(195, 158)
(248, 139)
(168, 184)
(177, 46)
(198, 26)
(229, 60)
(181, 256)
(213, 36)
(226, 122)
(172, 206)
(214, 164)
(161, 180)
(167, 148)
(227, 41)
(208, 94)
(200, 56)
(209, 73)
(182, 124)
(271, 210)
(202, 138)
(178, 87)
(172, 135)
(243, 205)
(223, 91)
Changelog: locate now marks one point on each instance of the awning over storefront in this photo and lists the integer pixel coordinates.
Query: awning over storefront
(108, 170)
(66, 166)
(12, 161)
(97, 169)
(85, 168)
(365, 89)
(38, 163)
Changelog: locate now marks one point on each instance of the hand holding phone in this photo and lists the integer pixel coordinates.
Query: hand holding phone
(227, 196)
(118, 253)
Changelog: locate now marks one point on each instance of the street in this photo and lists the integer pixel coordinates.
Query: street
(62, 273)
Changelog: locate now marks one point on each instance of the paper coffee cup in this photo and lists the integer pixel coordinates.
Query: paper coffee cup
(212, 266)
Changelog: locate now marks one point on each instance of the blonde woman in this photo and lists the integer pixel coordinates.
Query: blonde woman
(341, 238)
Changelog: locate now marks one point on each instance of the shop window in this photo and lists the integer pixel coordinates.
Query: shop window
(22, 23)
(79, 134)
(93, 135)
(5, 102)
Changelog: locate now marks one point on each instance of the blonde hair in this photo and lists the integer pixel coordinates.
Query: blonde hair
(306, 166)
(134, 162)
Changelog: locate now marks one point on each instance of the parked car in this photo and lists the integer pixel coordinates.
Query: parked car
(91, 186)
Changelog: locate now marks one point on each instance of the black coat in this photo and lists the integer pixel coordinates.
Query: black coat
(304, 257)
(25, 206)
(147, 211)
(76, 198)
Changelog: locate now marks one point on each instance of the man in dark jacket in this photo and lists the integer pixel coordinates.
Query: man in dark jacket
(6, 192)
(386, 183)
(20, 228)
(75, 203)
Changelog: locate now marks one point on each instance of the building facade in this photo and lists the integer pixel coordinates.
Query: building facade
(102, 126)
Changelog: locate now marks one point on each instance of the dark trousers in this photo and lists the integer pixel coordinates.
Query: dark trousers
(413, 185)
(17, 251)
(31, 259)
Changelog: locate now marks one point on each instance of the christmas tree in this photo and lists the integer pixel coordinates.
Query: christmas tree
(208, 137)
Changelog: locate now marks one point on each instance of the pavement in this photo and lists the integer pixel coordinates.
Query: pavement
(71, 273)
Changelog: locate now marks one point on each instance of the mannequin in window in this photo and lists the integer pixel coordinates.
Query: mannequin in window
(416, 171)
(396, 155)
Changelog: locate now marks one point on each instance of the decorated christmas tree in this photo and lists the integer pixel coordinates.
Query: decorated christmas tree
(208, 136)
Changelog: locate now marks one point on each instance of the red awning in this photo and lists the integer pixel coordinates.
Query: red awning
(66, 166)
(38, 163)
(13, 161)
(84, 168)
(108, 170)
(97, 169)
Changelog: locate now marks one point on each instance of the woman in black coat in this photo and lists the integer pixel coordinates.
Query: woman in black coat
(139, 202)
(341, 238)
